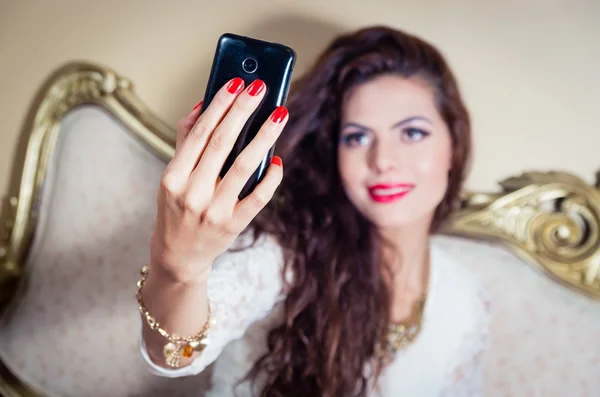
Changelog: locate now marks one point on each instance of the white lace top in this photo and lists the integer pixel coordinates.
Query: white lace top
(245, 292)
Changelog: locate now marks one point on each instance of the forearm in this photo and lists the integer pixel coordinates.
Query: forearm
(179, 308)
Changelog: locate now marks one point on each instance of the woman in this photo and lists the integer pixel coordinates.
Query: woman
(334, 288)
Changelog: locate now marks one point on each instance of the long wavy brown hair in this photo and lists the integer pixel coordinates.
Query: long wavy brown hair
(337, 308)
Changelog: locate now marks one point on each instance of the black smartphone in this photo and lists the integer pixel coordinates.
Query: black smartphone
(250, 59)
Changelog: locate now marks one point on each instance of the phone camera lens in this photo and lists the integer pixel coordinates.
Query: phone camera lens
(249, 65)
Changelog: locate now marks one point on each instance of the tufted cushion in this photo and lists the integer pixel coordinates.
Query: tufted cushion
(74, 333)
(545, 338)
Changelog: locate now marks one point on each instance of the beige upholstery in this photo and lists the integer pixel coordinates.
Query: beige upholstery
(74, 330)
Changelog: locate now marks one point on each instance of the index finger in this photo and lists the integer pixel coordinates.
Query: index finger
(184, 161)
(185, 124)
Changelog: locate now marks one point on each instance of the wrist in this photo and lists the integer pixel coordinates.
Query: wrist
(197, 278)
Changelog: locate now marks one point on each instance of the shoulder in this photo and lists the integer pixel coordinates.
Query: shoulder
(250, 260)
(264, 251)
(461, 285)
(250, 271)
(465, 306)
(452, 270)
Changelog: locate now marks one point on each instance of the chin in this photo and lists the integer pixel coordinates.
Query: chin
(395, 221)
(399, 215)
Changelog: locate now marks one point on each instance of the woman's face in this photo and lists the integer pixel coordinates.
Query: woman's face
(394, 151)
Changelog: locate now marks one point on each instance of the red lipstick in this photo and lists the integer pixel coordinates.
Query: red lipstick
(389, 192)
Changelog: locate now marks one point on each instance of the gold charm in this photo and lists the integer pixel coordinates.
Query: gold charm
(172, 354)
(169, 349)
(199, 345)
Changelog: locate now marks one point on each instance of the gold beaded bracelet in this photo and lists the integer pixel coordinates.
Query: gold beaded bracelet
(177, 346)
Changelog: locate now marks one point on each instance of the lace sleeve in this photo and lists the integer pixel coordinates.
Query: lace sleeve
(466, 378)
(243, 287)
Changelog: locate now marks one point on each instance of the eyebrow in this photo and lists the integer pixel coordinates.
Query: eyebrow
(398, 124)
(410, 119)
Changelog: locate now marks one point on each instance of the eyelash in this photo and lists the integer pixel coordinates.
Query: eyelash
(353, 139)
(410, 130)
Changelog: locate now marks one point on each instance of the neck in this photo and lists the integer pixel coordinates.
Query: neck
(408, 257)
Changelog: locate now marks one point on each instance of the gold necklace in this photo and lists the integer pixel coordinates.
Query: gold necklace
(401, 335)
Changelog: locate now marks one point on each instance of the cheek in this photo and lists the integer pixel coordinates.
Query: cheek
(351, 167)
(433, 167)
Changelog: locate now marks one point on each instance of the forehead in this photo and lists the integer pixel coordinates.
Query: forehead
(389, 97)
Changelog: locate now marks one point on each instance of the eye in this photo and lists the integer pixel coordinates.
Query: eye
(414, 134)
(355, 139)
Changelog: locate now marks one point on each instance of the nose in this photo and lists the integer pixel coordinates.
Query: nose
(383, 157)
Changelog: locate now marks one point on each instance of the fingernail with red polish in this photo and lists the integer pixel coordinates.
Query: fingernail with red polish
(235, 85)
(279, 114)
(256, 87)
(198, 105)
(276, 160)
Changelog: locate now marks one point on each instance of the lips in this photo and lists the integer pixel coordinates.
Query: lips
(386, 193)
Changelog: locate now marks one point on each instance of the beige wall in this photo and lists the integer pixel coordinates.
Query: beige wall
(529, 69)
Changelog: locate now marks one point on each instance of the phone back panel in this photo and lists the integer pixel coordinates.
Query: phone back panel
(274, 65)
